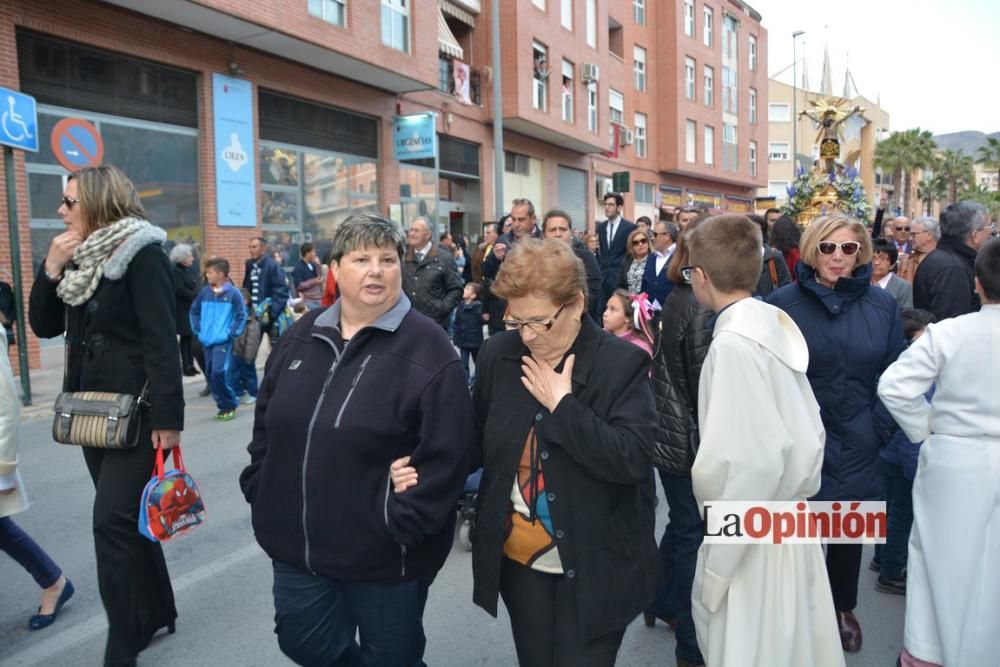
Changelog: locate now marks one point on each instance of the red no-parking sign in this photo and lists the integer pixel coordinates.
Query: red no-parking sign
(76, 144)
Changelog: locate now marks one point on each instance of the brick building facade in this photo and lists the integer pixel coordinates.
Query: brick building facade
(590, 87)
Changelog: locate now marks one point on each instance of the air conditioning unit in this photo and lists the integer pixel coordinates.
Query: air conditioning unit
(627, 136)
(590, 72)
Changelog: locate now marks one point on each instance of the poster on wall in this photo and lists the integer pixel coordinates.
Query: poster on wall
(460, 85)
(232, 123)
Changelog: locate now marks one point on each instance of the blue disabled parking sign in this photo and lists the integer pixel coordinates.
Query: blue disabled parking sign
(18, 120)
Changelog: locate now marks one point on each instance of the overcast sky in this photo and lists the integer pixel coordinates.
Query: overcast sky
(935, 63)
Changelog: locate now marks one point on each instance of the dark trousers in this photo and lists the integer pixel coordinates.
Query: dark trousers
(899, 507)
(316, 619)
(843, 566)
(245, 373)
(679, 554)
(543, 621)
(466, 353)
(198, 352)
(221, 375)
(19, 546)
(187, 355)
(131, 573)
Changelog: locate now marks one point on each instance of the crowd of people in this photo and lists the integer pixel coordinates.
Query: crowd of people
(732, 357)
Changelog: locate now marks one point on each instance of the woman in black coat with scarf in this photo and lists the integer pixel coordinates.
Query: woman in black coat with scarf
(107, 283)
(564, 422)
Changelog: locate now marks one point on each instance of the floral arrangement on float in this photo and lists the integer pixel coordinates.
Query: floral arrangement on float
(815, 193)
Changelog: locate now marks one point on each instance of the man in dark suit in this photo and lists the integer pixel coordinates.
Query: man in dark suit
(612, 235)
(655, 282)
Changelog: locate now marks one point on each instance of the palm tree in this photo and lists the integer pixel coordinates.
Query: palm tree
(956, 168)
(989, 155)
(902, 154)
(932, 190)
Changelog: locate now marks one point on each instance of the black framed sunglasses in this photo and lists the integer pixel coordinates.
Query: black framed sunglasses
(538, 326)
(69, 202)
(829, 247)
(640, 242)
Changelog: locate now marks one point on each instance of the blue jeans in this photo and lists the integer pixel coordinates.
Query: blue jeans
(19, 546)
(465, 354)
(221, 375)
(899, 508)
(316, 619)
(245, 373)
(679, 553)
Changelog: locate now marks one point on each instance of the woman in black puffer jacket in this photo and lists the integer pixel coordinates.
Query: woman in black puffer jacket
(685, 334)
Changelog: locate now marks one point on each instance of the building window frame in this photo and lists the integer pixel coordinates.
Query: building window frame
(708, 26)
(753, 159)
(779, 112)
(641, 147)
(393, 11)
(333, 12)
(592, 114)
(689, 18)
(690, 141)
(639, 67)
(540, 76)
(778, 189)
(567, 91)
(566, 14)
(645, 193)
(730, 147)
(779, 151)
(639, 11)
(752, 53)
(753, 106)
(708, 141)
(592, 23)
(708, 76)
(690, 66)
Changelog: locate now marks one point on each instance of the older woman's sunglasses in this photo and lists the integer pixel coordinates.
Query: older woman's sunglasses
(829, 247)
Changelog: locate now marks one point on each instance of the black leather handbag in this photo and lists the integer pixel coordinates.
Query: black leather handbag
(99, 419)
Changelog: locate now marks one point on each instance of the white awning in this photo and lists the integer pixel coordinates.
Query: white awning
(447, 43)
(456, 12)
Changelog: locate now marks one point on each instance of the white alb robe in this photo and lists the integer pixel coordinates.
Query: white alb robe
(761, 439)
(953, 567)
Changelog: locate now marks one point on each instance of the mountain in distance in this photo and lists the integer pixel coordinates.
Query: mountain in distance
(968, 142)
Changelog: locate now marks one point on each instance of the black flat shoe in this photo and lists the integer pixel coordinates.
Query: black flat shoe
(650, 621)
(39, 621)
(891, 586)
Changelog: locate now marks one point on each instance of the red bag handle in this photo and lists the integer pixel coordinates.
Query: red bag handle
(178, 462)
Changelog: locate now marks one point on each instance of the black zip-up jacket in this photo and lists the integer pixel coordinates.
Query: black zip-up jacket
(331, 418)
(945, 282)
(595, 452)
(685, 335)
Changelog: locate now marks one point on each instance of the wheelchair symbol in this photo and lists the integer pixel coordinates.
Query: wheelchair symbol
(12, 118)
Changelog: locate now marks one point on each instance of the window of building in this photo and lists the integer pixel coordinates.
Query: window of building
(566, 15)
(779, 113)
(592, 23)
(709, 85)
(592, 106)
(777, 151)
(708, 27)
(331, 11)
(639, 67)
(616, 38)
(644, 192)
(753, 158)
(709, 142)
(689, 18)
(567, 91)
(640, 135)
(639, 11)
(753, 106)
(690, 141)
(396, 24)
(689, 78)
(515, 163)
(777, 189)
(539, 3)
(729, 96)
(729, 148)
(616, 103)
(753, 53)
(540, 76)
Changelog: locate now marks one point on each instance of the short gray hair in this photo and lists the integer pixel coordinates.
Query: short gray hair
(962, 218)
(932, 226)
(366, 230)
(180, 252)
(524, 201)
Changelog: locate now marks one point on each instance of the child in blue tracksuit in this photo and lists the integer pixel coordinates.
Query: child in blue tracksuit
(217, 319)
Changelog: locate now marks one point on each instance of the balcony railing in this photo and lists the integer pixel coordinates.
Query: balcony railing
(447, 82)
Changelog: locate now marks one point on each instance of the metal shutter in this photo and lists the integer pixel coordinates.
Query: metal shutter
(572, 195)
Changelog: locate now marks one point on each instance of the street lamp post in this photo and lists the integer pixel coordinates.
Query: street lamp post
(795, 105)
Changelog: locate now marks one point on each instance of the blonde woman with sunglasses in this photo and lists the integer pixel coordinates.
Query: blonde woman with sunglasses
(853, 331)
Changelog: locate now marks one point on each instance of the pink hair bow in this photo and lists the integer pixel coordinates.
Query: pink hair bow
(642, 313)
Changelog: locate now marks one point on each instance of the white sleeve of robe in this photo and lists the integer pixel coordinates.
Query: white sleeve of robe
(10, 415)
(743, 441)
(904, 384)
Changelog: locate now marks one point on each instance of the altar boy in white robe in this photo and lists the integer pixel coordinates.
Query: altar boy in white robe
(953, 566)
(761, 440)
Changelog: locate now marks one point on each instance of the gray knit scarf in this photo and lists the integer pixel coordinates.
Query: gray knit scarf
(105, 254)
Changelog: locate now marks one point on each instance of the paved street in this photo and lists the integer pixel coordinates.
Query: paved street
(222, 580)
